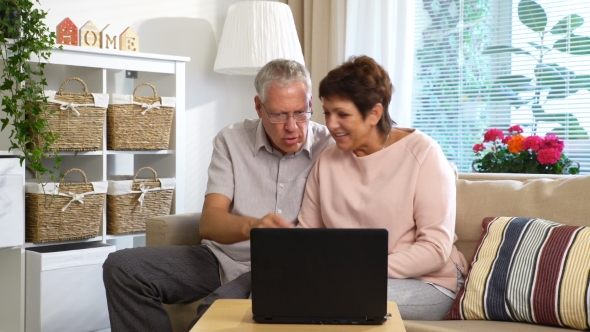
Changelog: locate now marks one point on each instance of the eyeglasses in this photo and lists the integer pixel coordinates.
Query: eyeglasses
(282, 118)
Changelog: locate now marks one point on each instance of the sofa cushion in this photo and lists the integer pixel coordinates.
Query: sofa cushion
(476, 326)
(560, 198)
(528, 270)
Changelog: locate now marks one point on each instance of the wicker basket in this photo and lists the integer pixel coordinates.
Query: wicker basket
(131, 202)
(78, 118)
(70, 211)
(139, 123)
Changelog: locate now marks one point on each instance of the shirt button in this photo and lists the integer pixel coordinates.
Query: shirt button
(280, 211)
(281, 185)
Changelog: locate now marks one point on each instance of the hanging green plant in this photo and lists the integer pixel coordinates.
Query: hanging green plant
(23, 81)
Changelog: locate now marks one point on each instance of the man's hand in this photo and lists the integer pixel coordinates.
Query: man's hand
(219, 225)
(271, 220)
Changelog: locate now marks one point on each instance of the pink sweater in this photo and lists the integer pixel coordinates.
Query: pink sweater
(408, 188)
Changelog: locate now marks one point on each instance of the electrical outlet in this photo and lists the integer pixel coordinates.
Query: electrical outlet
(130, 74)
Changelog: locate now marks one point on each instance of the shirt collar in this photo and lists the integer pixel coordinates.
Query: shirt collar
(262, 140)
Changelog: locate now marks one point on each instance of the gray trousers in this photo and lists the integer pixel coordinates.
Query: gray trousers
(139, 280)
(417, 300)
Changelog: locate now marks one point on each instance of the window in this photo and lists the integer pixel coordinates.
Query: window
(484, 64)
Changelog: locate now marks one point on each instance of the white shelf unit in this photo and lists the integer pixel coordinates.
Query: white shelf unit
(103, 71)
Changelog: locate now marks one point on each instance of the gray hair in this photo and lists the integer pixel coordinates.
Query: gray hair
(283, 72)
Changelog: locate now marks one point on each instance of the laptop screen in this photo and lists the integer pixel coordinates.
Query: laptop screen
(319, 275)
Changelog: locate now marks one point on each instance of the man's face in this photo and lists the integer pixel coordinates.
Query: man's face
(290, 136)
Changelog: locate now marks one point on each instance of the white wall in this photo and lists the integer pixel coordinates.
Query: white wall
(189, 28)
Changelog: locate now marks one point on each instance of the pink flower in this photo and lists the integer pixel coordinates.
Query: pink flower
(492, 134)
(548, 156)
(478, 147)
(516, 129)
(553, 142)
(533, 143)
(506, 139)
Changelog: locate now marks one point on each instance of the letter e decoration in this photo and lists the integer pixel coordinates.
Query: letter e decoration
(129, 41)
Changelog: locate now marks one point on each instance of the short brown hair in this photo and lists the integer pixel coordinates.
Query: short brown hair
(364, 82)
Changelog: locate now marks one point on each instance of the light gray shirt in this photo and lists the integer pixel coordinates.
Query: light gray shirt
(258, 180)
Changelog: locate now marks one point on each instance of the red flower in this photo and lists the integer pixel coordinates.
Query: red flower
(516, 129)
(492, 134)
(548, 156)
(533, 143)
(553, 142)
(478, 147)
(506, 139)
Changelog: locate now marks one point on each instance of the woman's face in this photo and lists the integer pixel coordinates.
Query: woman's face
(348, 128)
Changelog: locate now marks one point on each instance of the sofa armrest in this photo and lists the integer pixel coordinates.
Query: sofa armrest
(178, 229)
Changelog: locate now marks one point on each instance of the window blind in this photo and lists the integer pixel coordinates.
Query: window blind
(484, 64)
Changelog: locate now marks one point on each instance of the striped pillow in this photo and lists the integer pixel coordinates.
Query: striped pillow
(528, 270)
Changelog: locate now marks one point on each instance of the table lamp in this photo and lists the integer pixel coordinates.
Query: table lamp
(254, 33)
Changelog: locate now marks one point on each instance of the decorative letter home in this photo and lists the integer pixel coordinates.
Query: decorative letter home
(89, 35)
(129, 41)
(109, 38)
(67, 32)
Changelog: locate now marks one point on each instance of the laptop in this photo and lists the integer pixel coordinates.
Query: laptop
(319, 276)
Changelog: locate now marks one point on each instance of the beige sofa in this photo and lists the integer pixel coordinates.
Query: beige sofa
(563, 199)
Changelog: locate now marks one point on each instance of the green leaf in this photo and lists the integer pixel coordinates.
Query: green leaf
(538, 111)
(504, 49)
(573, 44)
(580, 82)
(567, 24)
(500, 93)
(570, 127)
(539, 47)
(531, 14)
(517, 83)
(555, 77)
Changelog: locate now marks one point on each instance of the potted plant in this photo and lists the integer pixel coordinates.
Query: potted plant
(22, 82)
(517, 153)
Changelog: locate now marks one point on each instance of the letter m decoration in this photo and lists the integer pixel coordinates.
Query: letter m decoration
(108, 39)
(67, 32)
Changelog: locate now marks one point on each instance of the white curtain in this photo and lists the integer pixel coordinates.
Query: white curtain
(320, 27)
(384, 30)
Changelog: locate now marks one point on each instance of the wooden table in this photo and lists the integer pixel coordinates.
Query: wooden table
(236, 316)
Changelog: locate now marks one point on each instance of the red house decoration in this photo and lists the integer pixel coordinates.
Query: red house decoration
(67, 32)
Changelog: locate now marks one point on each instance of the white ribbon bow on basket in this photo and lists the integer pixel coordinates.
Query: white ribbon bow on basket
(75, 198)
(70, 106)
(143, 190)
(148, 106)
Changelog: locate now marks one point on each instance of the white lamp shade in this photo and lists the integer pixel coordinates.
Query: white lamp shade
(254, 33)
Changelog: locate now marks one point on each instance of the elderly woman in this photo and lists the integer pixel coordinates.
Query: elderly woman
(380, 176)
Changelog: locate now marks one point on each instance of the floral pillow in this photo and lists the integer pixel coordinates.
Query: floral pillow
(528, 270)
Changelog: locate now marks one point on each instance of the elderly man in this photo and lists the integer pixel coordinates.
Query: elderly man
(257, 177)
